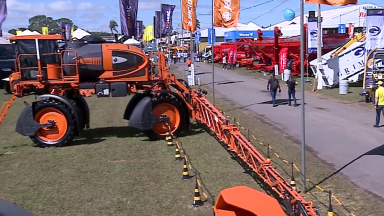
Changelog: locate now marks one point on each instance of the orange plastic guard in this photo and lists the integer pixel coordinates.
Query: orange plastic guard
(53, 71)
(245, 201)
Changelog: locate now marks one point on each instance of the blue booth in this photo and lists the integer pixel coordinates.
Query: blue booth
(233, 36)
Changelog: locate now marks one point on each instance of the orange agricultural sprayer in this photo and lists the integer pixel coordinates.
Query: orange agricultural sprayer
(61, 73)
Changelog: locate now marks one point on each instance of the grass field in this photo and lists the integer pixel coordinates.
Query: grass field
(111, 170)
(354, 198)
(115, 170)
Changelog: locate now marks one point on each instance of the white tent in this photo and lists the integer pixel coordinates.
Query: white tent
(26, 32)
(290, 30)
(5, 38)
(36, 33)
(332, 18)
(79, 33)
(132, 41)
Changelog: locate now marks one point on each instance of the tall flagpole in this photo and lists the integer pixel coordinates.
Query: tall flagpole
(213, 65)
(182, 34)
(302, 44)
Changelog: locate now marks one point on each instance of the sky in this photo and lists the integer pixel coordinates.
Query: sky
(94, 15)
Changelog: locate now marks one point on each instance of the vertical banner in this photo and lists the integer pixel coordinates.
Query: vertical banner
(375, 39)
(334, 3)
(166, 19)
(188, 10)
(226, 13)
(211, 40)
(342, 28)
(312, 35)
(66, 30)
(44, 30)
(72, 30)
(351, 30)
(158, 24)
(3, 14)
(128, 16)
(154, 27)
(140, 29)
(197, 37)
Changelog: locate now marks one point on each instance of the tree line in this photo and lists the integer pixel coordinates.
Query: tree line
(54, 26)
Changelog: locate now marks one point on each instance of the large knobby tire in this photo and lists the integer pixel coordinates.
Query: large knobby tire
(63, 132)
(174, 110)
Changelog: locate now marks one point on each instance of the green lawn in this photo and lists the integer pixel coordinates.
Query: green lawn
(111, 169)
(354, 198)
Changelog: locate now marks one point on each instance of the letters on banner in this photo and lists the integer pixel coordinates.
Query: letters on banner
(188, 9)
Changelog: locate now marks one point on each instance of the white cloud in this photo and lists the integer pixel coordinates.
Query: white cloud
(19, 11)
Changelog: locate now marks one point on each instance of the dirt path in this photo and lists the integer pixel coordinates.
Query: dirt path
(337, 132)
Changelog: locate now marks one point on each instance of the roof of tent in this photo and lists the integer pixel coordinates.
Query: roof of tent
(332, 18)
(131, 41)
(220, 31)
(79, 33)
(26, 32)
(5, 38)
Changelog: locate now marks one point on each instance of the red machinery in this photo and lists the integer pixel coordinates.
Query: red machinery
(277, 50)
(63, 74)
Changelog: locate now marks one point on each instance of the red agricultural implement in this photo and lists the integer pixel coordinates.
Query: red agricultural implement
(284, 52)
(61, 73)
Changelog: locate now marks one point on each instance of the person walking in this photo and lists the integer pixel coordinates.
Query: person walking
(225, 63)
(379, 102)
(272, 86)
(291, 84)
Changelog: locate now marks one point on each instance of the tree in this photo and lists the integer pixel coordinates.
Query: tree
(112, 26)
(197, 24)
(54, 26)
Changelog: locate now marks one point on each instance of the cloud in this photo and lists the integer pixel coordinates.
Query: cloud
(19, 11)
(149, 5)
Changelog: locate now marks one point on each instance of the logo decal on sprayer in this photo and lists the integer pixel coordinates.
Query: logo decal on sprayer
(118, 59)
(359, 52)
(313, 33)
(374, 30)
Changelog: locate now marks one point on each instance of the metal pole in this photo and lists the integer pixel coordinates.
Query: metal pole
(319, 35)
(302, 44)
(213, 65)
(191, 44)
(182, 37)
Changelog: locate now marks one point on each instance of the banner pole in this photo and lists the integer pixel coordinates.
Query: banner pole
(302, 43)
(182, 35)
(213, 65)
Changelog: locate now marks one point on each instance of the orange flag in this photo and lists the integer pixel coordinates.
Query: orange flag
(332, 2)
(188, 9)
(226, 13)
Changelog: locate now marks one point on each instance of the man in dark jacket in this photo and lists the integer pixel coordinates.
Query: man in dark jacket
(273, 85)
(291, 84)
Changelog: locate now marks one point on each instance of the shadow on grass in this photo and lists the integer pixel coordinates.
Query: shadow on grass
(97, 135)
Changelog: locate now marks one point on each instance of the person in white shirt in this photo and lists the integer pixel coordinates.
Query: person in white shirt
(225, 62)
(178, 56)
(185, 55)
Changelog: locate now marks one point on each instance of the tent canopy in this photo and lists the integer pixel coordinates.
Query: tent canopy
(132, 41)
(79, 33)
